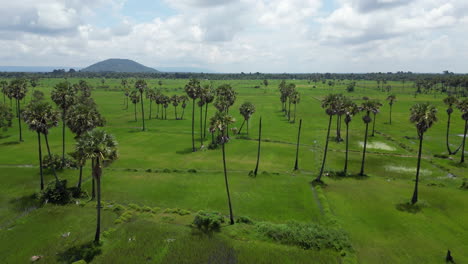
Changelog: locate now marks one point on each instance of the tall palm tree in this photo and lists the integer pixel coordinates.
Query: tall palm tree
(350, 109)
(192, 88)
(296, 164)
(247, 109)
(220, 121)
(135, 98)
(101, 147)
(295, 99)
(18, 89)
(423, 116)
(258, 150)
(175, 102)
(64, 96)
(391, 100)
(4, 87)
(151, 96)
(283, 95)
(463, 107)
(375, 111)
(225, 98)
(209, 95)
(450, 101)
(201, 102)
(166, 100)
(328, 103)
(158, 99)
(183, 99)
(339, 112)
(124, 84)
(290, 91)
(367, 107)
(141, 86)
(6, 117)
(41, 117)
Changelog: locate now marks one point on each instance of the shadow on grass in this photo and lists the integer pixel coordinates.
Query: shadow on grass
(340, 175)
(409, 208)
(185, 151)
(4, 136)
(26, 203)
(10, 143)
(86, 252)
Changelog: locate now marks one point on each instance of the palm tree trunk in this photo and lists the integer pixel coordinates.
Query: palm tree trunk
(157, 110)
(97, 175)
(289, 110)
(40, 160)
(93, 181)
(337, 128)
(151, 108)
(16, 105)
(364, 151)
(247, 127)
(231, 217)
(204, 126)
(373, 126)
(175, 111)
(63, 137)
(240, 129)
(345, 170)
(463, 143)
(135, 112)
(414, 199)
(19, 121)
(391, 106)
(50, 155)
(259, 141)
(193, 125)
(447, 135)
(296, 165)
(183, 111)
(142, 111)
(294, 119)
(319, 177)
(80, 178)
(201, 126)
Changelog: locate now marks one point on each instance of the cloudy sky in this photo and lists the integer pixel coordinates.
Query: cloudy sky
(239, 35)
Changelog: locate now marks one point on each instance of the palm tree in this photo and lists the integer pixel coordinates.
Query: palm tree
(339, 112)
(328, 103)
(175, 102)
(126, 90)
(296, 164)
(290, 91)
(247, 109)
(201, 102)
(265, 83)
(6, 117)
(192, 88)
(450, 101)
(258, 150)
(4, 85)
(183, 99)
(151, 96)
(220, 121)
(225, 98)
(158, 100)
(41, 117)
(141, 86)
(375, 111)
(83, 117)
(135, 98)
(391, 99)
(283, 95)
(101, 147)
(209, 95)
(463, 107)
(367, 107)
(295, 99)
(423, 116)
(18, 89)
(64, 96)
(350, 109)
(166, 100)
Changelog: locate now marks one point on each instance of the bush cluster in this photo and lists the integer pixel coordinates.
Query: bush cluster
(176, 211)
(208, 221)
(55, 161)
(56, 193)
(244, 220)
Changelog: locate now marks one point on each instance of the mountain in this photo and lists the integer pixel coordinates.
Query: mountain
(185, 69)
(118, 65)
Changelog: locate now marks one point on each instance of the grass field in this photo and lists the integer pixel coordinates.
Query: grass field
(153, 171)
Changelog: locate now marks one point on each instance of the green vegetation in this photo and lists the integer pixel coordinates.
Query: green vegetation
(165, 200)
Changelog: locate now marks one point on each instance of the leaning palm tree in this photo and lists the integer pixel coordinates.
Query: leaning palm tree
(350, 109)
(391, 100)
(450, 102)
(375, 111)
(423, 116)
(328, 103)
(367, 107)
(64, 96)
(41, 117)
(192, 88)
(141, 86)
(135, 98)
(463, 107)
(100, 147)
(18, 89)
(247, 109)
(220, 122)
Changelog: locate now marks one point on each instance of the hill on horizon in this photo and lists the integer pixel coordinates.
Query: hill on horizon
(118, 65)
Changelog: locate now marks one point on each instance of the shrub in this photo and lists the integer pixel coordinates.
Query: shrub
(208, 221)
(213, 146)
(134, 207)
(118, 208)
(305, 235)
(176, 211)
(166, 170)
(148, 170)
(192, 170)
(77, 193)
(49, 162)
(464, 185)
(441, 156)
(244, 220)
(147, 209)
(56, 193)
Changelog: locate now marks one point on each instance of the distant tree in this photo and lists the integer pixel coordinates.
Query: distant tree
(208, 95)
(295, 99)
(158, 99)
(220, 122)
(463, 107)
(265, 83)
(183, 99)
(6, 117)
(100, 147)
(247, 109)
(166, 100)
(423, 116)
(450, 101)
(391, 100)
(350, 109)
(339, 112)
(135, 98)
(41, 117)
(367, 107)
(64, 96)
(18, 90)
(151, 96)
(283, 95)
(192, 88)
(201, 102)
(328, 103)
(350, 87)
(291, 90)
(4, 87)
(375, 111)
(160, 84)
(175, 102)
(141, 86)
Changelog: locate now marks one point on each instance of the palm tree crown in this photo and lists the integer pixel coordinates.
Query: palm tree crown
(423, 116)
